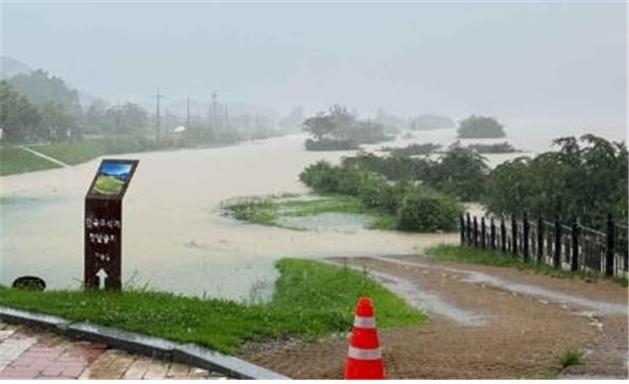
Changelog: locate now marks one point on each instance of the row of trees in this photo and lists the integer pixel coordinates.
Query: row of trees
(458, 171)
(337, 128)
(21, 120)
(584, 179)
(41, 107)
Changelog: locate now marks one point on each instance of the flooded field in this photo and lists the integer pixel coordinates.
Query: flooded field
(174, 236)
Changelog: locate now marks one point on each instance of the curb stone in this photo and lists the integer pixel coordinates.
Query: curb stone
(117, 338)
(144, 345)
(16, 316)
(211, 360)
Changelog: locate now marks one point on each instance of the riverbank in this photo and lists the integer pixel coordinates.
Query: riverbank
(18, 159)
(311, 300)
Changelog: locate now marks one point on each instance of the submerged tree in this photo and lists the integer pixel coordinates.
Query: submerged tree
(480, 127)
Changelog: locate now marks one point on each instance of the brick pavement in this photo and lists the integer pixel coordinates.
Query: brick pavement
(30, 353)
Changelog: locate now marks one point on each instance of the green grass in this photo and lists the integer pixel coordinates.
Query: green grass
(474, 255)
(16, 160)
(571, 357)
(311, 300)
(108, 185)
(267, 210)
(74, 153)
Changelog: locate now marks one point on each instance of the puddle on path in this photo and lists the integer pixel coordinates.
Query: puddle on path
(474, 277)
(421, 299)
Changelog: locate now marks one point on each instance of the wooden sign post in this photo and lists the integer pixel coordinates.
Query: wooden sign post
(103, 224)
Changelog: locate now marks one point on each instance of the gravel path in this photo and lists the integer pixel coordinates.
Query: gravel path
(486, 322)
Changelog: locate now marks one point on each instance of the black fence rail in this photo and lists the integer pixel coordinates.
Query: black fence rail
(562, 246)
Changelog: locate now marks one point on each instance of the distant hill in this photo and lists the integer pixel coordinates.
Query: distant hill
(11, 67)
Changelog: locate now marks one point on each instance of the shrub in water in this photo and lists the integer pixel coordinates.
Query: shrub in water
(427, 211)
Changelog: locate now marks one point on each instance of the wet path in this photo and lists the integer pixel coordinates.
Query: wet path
(486, 323)
(28, 353)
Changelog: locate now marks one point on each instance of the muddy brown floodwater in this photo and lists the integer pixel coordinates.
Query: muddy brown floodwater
(174, 237)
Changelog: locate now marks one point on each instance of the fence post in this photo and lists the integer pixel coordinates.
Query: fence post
(492, 233)
(483, 232)
(540, 239)
(574, 265)
(462, 229)
(468, 229)
(609, 261)
(514, 236)
(475, 232)
(557, 255)
(503, 234)
(525, 233)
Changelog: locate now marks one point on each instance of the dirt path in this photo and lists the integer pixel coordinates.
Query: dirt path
(486, 322)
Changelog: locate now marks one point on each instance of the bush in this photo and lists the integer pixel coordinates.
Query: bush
(425, 211)
(416, 208)
(330, 145)
(480, 127)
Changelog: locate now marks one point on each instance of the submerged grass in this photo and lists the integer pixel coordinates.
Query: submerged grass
(268, 210)
(474, 255)
(311, 300)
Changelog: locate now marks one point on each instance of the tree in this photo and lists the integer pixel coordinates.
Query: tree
(95, 119)
(293, 120)
(583, 181)
(342, 120)
(461, 172)
(320, 126)
(428, 122)
(135, 118)
(126, 119)
(480, 127)
(19, 119)
(39, 87)
(57, 124)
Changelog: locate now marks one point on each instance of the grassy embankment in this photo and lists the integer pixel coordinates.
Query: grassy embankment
(16, 160)
(311, 300)
(473, 255)
(269, 210)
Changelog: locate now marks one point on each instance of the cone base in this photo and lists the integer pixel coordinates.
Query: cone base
(364, 369)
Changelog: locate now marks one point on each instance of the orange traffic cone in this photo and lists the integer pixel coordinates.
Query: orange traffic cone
(364, 359)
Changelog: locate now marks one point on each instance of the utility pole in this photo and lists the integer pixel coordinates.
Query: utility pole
(117, 118)
(226, 117)
(187, 111)
(214, 106)
(157, 117)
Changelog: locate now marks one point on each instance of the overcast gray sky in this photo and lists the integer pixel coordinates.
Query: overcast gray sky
(525, 60)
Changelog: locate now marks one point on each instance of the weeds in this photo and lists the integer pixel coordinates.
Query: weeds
(571, 357)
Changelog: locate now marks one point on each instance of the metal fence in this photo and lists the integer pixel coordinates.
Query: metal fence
(562, 246)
